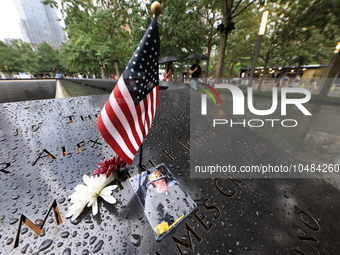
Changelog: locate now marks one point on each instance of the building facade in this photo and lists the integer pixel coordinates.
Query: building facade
(39, 23)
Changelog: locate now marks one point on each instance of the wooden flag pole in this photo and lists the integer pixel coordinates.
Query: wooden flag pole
(156, 9)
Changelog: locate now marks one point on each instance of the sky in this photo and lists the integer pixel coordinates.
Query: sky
(9, 21)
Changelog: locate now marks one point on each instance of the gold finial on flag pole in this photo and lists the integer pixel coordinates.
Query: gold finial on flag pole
(156, 9)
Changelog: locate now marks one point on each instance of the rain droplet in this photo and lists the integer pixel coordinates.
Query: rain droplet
(24, 249)
(65, 234)
(98, 246)
(9, 241)
(67, 251)
(136, 240)
(15, 197)
(93, 239)
(45, 244)
(24, 230)
(13, 221)
(85, 252)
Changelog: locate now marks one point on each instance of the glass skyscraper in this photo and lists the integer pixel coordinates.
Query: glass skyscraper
(39, 23)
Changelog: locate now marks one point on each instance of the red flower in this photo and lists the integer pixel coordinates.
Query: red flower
(109, 166)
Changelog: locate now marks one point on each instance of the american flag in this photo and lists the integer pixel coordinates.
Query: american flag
(126, 117)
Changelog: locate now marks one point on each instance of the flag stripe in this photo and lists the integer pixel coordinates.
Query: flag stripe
(127, 157)
(116, 135)
(154, 101)
(146, 114)
(141, 120)
(120, 130)
(128, 114)
(124, 141)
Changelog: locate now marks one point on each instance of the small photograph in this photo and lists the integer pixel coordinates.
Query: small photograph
(164, 201)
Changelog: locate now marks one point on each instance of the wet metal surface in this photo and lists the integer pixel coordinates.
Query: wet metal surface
(104, 84)
(315, 140)
(24, 90)
(46, 147)
(76, 89)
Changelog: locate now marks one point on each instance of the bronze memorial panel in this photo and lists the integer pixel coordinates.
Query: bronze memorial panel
(48, 145)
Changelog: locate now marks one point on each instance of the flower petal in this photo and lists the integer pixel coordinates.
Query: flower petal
(88, 194)
(108, 190)
(75, 210)
(95, 207)
(86, 179)
(91, 201)
(109, 179)
(108, 198)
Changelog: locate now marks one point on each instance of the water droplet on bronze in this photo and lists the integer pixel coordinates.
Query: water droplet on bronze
(93, 239)
(15, 197)
(67, 251)
(85, 252)
(13, 221)
(24, 249)
(24, 230)
(9, 241)
(74, 234)
(98, 246)
(45, 244)
(65, 234)
(136, 240)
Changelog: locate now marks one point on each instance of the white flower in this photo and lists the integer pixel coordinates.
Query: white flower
(87, 195)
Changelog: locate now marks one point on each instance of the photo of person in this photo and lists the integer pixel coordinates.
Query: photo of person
(164, 201)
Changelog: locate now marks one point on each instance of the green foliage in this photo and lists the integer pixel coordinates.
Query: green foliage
(101, 33)
(287, 41)
(8, 58)
(17, 57)
(181, 29)
(106, 33)
(48, 60)
(25, 55)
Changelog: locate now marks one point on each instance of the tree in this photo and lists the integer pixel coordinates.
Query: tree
(230, 10)
(17, 57)
(241, 40)
(181, 29)
(25, 55)
(48, 61)
(100, 33)
(320, 16)
(283, 44)
(8, 58)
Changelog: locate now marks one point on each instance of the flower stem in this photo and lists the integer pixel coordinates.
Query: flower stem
(117, 179)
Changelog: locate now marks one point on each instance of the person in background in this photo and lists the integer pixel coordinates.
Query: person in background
(169, 72)
(285, 81)
(195, 72)
(312, 84)
(296, 81)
